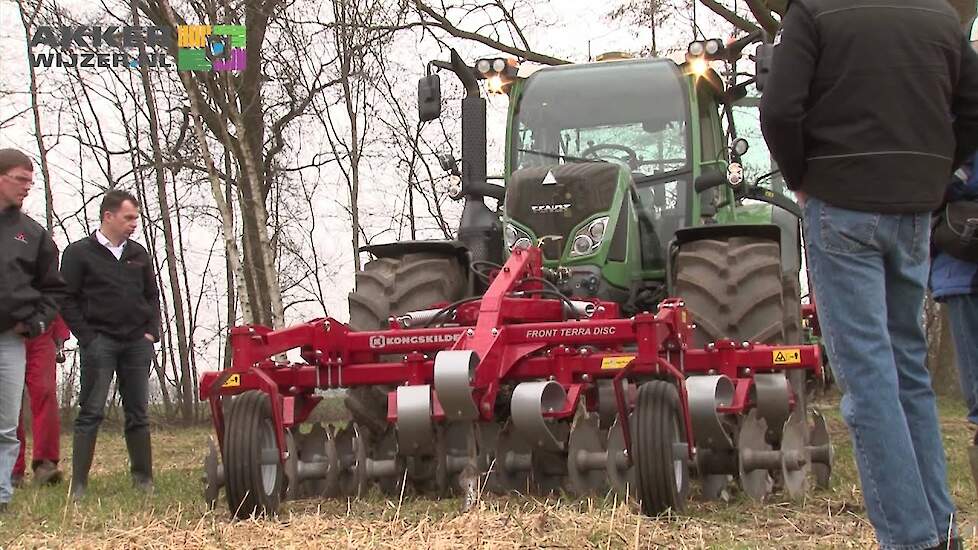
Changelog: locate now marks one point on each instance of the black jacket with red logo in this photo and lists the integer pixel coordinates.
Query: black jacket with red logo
(30, 284)
(118, 298)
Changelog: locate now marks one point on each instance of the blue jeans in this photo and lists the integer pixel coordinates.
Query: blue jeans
(963, 311)
(870, 274)
(13, 361)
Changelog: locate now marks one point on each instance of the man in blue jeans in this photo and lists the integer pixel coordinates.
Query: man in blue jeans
(869, 108)
(29, 289)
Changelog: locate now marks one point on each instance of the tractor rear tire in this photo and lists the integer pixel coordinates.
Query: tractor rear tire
(733, 289)
(253, 488)
(389, 287)
(663, 478)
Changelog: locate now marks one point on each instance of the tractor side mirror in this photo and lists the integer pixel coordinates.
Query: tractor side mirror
(763, 60)
(429, 98)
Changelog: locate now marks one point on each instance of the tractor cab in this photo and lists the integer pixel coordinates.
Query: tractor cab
(600, 164)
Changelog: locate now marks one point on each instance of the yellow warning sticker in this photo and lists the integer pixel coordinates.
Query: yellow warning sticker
(620, 362)
(787, 356)
(233, 381)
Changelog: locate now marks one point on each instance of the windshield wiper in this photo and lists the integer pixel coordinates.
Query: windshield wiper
(559, 156)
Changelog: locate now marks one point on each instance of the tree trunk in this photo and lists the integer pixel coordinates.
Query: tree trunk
(36, 109)
(186, 382)
(257, 211)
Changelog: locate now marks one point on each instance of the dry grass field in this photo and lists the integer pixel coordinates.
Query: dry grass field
(115, 516)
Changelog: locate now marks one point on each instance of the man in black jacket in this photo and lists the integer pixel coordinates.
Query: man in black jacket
(869, 108)
(113, 309)
(29, 289)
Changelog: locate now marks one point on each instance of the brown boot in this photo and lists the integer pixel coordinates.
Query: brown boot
(47, 473)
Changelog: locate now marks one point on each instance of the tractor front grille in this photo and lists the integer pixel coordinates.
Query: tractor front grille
(573, 193)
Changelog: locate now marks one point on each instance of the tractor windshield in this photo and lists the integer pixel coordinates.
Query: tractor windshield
(634, 112)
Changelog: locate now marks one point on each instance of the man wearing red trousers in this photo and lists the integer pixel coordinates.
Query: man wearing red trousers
(42, 382)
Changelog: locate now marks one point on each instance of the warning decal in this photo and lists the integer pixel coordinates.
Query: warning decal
(233, 381)
(621, 362)
(787, 356)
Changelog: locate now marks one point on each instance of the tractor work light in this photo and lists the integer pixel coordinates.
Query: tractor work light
(498, 73)
(709, 50)
(713, 47)
(699, 66)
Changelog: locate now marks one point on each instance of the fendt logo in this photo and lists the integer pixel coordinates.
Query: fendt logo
(549, 208)
(378, 341)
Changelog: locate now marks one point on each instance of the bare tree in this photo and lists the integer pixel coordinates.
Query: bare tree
(28, 22)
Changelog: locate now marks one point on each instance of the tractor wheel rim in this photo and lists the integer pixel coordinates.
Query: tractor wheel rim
(677, 463)
(269, 472)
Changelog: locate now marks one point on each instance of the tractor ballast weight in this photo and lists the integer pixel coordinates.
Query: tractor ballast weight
(522, 382)
(622, 321)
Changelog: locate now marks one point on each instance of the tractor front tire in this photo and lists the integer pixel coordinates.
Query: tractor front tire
(387, 287)
(254, 486)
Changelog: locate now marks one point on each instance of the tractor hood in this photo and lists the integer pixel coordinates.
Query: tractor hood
(552, 201)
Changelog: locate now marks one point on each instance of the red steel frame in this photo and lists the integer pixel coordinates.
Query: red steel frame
(516, 338)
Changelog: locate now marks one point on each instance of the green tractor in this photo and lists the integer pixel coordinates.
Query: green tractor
(627, 174)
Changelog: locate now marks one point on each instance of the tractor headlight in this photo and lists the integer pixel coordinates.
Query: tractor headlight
(596, 229)
(590, 238)
(516, 237)
(582, 245)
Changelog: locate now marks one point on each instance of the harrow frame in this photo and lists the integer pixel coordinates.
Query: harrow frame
(516, 332)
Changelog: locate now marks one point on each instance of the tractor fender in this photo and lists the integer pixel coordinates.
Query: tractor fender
(722, 231)
(390, 250)
(687, 235)
(440, 247)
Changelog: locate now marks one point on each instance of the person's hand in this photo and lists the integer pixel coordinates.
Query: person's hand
(149, 337)
(21, 329)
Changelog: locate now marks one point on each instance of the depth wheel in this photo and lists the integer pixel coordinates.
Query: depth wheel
(255, 476)
(659, 447)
